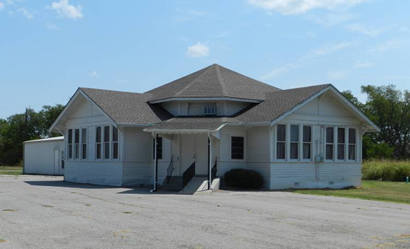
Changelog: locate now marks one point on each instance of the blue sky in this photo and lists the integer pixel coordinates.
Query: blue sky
(48, 48)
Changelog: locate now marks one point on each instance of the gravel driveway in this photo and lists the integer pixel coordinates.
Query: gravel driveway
(44, 212)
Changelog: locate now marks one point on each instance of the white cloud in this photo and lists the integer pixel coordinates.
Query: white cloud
(332, 48)
(65, 9)
(365, 64)
(303, 60)
(336, 75)
(198, 50)
(359, 28)
(293, 7)
(93, 74)
(1, 5)
(52, 26)
(388, 45)
(25, 13)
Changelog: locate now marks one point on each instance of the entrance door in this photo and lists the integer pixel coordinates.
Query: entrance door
(56, 162)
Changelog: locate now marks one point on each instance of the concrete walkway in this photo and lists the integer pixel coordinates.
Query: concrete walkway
(44, 212)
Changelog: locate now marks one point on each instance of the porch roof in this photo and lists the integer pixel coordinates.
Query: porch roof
(190, 125)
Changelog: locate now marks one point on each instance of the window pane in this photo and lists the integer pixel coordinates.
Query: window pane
(107, 150)
(76, 150)
(98, 151)
(306, 151)
(294, 151)
(352, 136)
(70, 151)
(281, 130)
(106, 133)
(84, 151)
(98, 135)
(341, 135)
(115, 151)
(280, 150)
(329, 135)
(307, 134)
(83, 136)
(352, 152)
(340, 151)
(70, 136)
(77, 136)
(329, 152)
(294, 133)
(237, 148)
(114, 134)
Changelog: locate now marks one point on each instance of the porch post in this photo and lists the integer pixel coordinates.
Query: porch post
(156, 163)
(210, 161)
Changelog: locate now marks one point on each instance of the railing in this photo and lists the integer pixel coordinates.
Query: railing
(188, 174)
(170, 169)
(214, 171)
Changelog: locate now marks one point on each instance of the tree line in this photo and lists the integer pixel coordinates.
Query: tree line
(386, 106)
(22, 127)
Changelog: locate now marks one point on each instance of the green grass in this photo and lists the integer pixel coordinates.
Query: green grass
(11, 170)
(370, 190)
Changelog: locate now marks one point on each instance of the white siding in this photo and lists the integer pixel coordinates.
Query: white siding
(43, 157)
(319, 113)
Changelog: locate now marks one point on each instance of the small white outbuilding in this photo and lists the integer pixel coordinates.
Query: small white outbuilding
(44, 156)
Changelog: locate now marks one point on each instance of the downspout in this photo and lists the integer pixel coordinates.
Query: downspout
(154, 189)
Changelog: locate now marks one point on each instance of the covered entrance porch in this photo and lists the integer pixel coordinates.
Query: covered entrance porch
(193, 152)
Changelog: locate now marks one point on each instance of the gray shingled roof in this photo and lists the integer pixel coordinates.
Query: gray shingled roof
(278, 103)
(213, 81)
(126, 107)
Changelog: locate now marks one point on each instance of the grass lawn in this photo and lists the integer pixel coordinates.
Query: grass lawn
(11, 170)
(370, 190)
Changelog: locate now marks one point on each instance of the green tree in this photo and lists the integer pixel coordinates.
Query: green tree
(389, 109)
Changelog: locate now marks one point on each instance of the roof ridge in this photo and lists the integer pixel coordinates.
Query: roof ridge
(192, 82)
(221, 80)
(108, 90)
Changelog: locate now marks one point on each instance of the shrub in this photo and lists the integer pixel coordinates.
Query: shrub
(386, 170)
(243, 178)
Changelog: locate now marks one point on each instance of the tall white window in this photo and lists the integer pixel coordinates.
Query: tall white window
(98, 137)
(106, 142)
(83, 143)
(210, 109)
(281, 142)
(114, 142)
(352, 144)
(329, 143)
(307, 142)
(77, 143)
(70, 144)
(294, 141)
(340, 143)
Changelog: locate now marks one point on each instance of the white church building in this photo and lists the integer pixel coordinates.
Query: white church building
(209, 122)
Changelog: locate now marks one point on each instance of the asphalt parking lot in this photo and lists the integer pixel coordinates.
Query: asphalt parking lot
(45, 212)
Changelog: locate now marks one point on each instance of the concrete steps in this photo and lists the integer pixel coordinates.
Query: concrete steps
(199, 184)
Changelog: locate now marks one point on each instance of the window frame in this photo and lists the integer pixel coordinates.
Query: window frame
(334, 128)
(310, 143)
(284, 142)
(339, 144)
(355, 145)
(69, 144)
(76, 155)
(243, 148)
(82, 143)
(210, 106)
(115, 142)
(297, 142)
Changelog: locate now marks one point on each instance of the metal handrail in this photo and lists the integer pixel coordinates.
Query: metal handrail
(214, 170)
(188, 174)
(170, 170)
